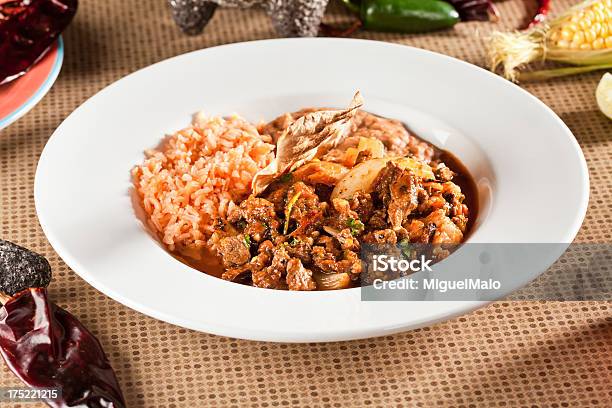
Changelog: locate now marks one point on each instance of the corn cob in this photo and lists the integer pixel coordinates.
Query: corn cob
(580, 36)
(587, 29)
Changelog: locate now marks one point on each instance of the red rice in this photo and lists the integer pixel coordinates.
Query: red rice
(195, 178)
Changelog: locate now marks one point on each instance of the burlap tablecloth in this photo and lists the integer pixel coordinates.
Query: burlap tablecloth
(507, 354)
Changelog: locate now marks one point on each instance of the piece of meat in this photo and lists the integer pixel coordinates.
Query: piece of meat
(303, 211)
(298, 277)
(436, 228)
(263, 259)
(341, 215)
(420, 232)
(363, 205)
(251, 209)
(385, 236)
(327, 262)
(460, 221)
(353, 259)
(378, 220)
(329, 244)
(307, 202)
(323, 259)
(234, 251)
(443, 173)
(270, 277)
(300, 248)
(257, 264)
(347, 240)
(453, 195)
(398, 189)
(259, 217)
(236, 274)
(446, 196)
(429, 203)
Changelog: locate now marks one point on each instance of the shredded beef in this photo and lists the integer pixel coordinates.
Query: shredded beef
(259, 216)
(363, 205)
(398, 189)
(270, 276)
(234, 251)
(301, 249)
(386, 236)
(236, 274)
(298, 277)
(327, 262)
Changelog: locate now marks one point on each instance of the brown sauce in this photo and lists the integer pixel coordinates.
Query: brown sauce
(209, 263)
(463, 179)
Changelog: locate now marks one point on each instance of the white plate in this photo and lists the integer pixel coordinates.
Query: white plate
(530, 171)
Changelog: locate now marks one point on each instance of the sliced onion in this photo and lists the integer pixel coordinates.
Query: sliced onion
(332, 281)
(362, 176)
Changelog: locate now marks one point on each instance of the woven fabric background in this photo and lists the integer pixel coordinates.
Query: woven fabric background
(545, 354)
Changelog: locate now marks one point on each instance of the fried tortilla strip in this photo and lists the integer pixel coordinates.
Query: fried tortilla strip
(309, 137)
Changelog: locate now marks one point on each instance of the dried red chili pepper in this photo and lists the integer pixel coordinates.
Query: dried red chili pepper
(475, 10)
(543, 9)
(45, 346)
(27, 29)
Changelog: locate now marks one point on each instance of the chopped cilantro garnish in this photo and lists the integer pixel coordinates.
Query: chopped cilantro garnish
(294, 241)
(247, 240)
(356, 226)
(406, 248)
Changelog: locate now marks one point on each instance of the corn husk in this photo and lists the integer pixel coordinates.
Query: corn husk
(510, 52)
(307, 138)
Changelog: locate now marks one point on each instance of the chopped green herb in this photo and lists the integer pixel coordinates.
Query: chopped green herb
(406, 249)
(356, 226)
(241, 224)
(294, 241)
(247, 240)
(286, 178)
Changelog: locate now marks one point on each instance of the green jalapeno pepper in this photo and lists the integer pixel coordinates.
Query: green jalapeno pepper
(407, 16)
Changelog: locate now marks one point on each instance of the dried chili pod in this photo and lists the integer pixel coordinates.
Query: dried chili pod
(540, 16)
(475, 10)
(27, 29)
(45, 346)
